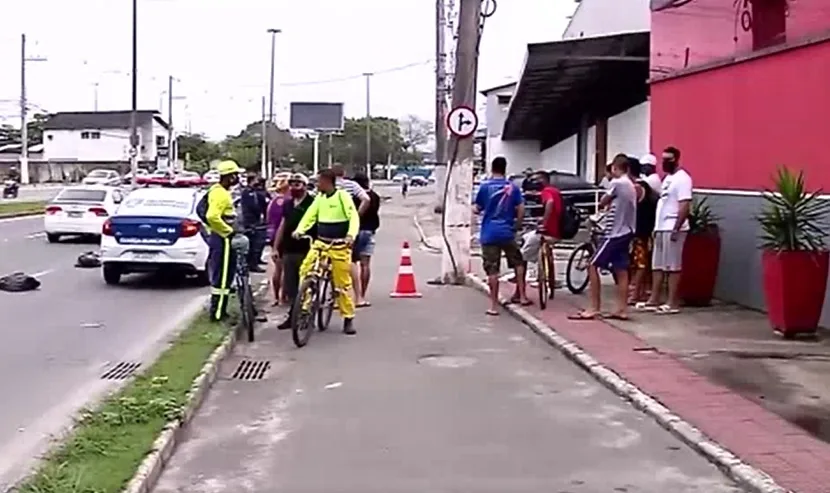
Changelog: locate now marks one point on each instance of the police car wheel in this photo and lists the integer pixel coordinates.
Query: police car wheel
(53, 238)
(112, 274)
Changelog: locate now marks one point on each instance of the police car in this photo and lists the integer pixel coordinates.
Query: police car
(155, 229)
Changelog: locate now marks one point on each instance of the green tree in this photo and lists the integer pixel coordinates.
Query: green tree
(197, 151)
(416, 133)
(10, 134)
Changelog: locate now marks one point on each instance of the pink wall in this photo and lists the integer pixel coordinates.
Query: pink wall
(711, 30)
(737, 123)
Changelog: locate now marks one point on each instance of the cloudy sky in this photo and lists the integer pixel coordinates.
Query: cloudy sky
(219, 53)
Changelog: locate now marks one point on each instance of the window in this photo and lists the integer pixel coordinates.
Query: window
(504, 99)
(90, 135)
(160, 140)
(81, 195)
(769, 23)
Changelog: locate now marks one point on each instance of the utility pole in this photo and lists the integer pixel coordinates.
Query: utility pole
(331, 150)
(134, 113)
(171, 159)
(96, 96)
(273, 33)
(389, 154)
(456, 260)
(263, 164)
(24, 110)
(368, 76)
(440, 99)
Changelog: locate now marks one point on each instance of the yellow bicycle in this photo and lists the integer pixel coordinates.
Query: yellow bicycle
(316, 296)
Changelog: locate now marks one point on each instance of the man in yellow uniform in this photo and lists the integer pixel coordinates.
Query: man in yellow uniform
(220, 217)
(336, 217)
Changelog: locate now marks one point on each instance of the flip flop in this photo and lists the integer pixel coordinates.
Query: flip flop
(363, 304)
(584, 316)
(526, 303)
(616, 316)
(492, 313)
(642, 306)
(666, 310)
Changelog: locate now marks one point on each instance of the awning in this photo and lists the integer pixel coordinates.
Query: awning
(564, 81)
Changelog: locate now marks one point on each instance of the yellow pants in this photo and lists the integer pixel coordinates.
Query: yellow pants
(341, 263)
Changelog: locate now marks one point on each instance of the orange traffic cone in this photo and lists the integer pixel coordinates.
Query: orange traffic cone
(405, 285)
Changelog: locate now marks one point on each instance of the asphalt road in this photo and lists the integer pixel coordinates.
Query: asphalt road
(432, 396)
(59, 340)
(32, 193)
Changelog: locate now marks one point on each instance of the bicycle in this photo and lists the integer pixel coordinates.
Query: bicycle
(546, 283)
(242, 282)
(580, 257)
(316, 296)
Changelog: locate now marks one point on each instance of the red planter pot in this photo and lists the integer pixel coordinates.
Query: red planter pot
(701, 257)
(794, 288)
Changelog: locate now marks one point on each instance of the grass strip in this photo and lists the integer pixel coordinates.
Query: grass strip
(13, 208)
(108, 443)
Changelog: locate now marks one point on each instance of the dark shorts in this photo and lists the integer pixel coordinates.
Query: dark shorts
(613, 253)
(491, 256)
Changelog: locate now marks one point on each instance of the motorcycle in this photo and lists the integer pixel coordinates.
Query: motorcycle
(10, 189)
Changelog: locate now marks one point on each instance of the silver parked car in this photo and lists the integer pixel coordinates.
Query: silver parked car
(105, 177)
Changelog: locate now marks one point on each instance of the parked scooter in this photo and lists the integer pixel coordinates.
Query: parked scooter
(10, 189)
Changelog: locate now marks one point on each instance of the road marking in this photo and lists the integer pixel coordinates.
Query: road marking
(42, 273)
(21, 218)
(40, 234)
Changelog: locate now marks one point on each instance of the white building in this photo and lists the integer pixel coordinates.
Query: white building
(580, 100)
(103, 138)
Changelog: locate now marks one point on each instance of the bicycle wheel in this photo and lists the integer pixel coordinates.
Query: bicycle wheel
(576, 275)
(542, 279)
(246, 307)
(303, 312)
(327, 300)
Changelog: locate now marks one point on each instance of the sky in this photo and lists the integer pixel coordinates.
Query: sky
(219, 53)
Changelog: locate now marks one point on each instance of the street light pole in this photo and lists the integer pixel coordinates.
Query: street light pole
(24, 111)
(134, 112)
(368, 76)
(265, 164)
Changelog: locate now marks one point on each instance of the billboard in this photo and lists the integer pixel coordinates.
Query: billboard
(317, 116)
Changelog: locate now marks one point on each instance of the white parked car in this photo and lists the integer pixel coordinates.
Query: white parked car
(80, 210)
(398, 178)
(155, 229)
(106, 177)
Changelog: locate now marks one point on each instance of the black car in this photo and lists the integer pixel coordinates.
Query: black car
(580, 192)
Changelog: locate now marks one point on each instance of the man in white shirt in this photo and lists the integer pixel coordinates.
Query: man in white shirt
(670, 230)
(648, 166)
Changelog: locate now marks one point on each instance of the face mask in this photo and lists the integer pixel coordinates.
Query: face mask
(297, 192)
(669, 165)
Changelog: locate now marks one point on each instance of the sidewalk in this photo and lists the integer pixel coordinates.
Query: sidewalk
(431, 395)
(721, 369)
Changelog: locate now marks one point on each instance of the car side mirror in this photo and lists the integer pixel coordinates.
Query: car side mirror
(117, 199)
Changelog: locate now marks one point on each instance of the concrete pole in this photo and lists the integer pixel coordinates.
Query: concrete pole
(440, 100)
(456, 261)
(171, 162)
(24, 130)
(316, 151)
(331, 150)
(263, 164)
(368, 124)
(134, 113)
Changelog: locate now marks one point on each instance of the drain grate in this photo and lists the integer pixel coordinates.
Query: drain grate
(121, 371)
(251, 370)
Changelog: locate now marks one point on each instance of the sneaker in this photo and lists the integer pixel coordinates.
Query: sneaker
(348, 326)
(285, 324)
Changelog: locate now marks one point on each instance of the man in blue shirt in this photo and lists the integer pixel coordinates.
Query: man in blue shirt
(501, 205)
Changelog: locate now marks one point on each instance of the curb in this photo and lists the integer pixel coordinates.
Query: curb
(149, 471)
(745, 475)
(423, 236)
(20, 214)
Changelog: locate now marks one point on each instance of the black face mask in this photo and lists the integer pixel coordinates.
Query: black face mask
(669, 165)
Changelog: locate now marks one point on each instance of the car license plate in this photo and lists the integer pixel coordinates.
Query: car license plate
(75, 214)
(144, 255)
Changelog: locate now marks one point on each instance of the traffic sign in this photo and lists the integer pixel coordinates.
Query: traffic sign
(462, 122)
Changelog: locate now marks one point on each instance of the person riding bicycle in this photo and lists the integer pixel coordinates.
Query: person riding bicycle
(336, 217)
(220, 218)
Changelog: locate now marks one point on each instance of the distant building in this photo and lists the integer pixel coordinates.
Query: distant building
(103, 138)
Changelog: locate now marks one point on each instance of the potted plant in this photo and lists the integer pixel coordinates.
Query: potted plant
(701, 250)
(794, 259)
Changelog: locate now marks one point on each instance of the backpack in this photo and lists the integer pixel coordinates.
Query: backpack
(569, 220)
(202, 208)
